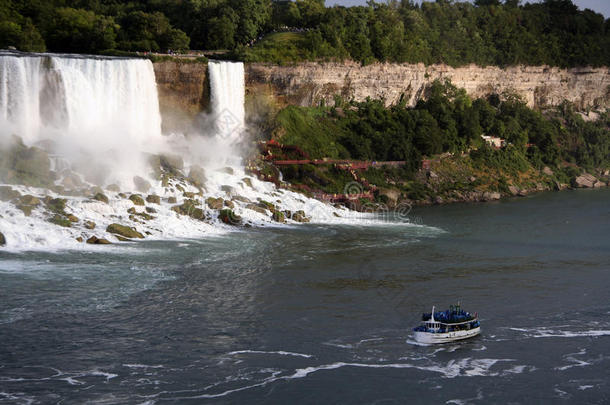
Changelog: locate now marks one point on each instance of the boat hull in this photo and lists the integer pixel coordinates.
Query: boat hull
(431, 338)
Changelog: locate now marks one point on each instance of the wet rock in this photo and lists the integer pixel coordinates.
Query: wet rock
(124, 231)
(514, 190)
(227, 189)
(80, 239)
(172, 200)
(7, 193)
(114, 188)
(90, 225)
(27, 203)
(60, 220)
(189, 194)
(227, 170)
(72, 181)
(229, 204)
(142, 185)
(257, 208)
(56, 205)
(229, 217)
(151, 210)
(599, 184)
(190, 208)
(299, 216)
(215, 203)
(153, 199)
(241, 199)
(101, 197)
(2, 239)
(94, 240)
(171, 163)
(122, 239)
(266, 205)
(137, 199)
(278, 216)
(247, 181)
(22, 165)
(72, 218)
(197, 176)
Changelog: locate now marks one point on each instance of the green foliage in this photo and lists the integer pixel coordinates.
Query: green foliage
(489, 32)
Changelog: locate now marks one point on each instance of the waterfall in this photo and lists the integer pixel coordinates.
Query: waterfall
(93, 102)
(227, 87)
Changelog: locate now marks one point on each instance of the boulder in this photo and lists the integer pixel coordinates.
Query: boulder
(227, 170)
(514, 190)
(90, 225)
(94, 240)
(227, 189)
(172, 200)
(142, 185)
(241, 199)
(585, 180)
(247, 181)
(229, 217)
(599, 184)
(153, 199)
(101, 197)
(189, 208)
(197, 176)
(137, 199)
(257, 208)
(124, 231)
(2, 239)
(114, 188)
(60, 220)
(229, 204)
(299, 216)
(56, 205)
(151, 210)
(72, 218)
(7, 193)
(391, 195)
(72, 181)
(215, 203)
(278, 216)
(171, 163)
(491, 196)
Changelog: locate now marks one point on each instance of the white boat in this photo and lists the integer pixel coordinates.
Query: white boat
(447, 326)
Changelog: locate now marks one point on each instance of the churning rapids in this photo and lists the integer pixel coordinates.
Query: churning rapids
(98, 120)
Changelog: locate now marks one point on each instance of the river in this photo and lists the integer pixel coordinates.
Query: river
(321, 313)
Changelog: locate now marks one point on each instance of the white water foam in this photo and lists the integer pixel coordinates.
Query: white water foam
(280, 352)
(543, 332)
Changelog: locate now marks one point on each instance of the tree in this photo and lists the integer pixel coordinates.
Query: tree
(78, 30)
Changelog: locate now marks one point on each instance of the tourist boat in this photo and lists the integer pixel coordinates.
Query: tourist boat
(447, 326)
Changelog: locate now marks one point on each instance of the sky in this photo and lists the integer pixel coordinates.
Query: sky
(601, 6)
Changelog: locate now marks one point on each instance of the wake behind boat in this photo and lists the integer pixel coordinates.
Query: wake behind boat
(447, 326)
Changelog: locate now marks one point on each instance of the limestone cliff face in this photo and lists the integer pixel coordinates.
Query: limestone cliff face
(183, 92)
(308, 84)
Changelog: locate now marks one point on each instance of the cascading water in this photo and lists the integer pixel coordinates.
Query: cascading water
(105, 102)
(227, 86)
(97, 111)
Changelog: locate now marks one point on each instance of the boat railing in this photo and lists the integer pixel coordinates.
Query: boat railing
(453, 323)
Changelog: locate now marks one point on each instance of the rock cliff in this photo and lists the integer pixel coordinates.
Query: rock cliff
(311, 83)
(183, 92)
